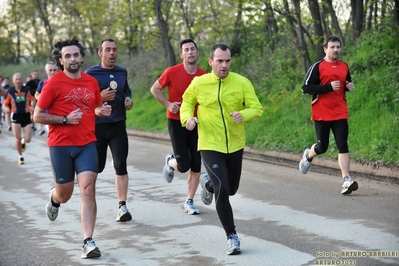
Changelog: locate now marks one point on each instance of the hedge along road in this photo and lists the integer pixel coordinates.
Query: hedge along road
(282, 216)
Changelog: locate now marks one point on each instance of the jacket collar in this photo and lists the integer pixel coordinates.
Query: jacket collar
(226, 79)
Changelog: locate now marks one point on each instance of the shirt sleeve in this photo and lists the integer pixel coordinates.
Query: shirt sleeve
(164, 80)
(312, 82)
(7, 99)
(253, 107)
(46, 96)
(189, 102)
(40, 86)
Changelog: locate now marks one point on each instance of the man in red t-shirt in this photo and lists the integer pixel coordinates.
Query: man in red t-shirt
(72, 99)
(185, 155)
(327, 81)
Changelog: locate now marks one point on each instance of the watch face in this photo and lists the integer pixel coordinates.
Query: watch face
(64, 120)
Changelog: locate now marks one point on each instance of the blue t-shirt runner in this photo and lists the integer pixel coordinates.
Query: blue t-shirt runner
(105, 77)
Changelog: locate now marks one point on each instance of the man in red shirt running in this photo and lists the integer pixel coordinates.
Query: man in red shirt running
(327, 81)
(185, 155)
(72, 98)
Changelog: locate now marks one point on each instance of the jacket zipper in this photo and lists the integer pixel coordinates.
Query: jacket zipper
(221, 112)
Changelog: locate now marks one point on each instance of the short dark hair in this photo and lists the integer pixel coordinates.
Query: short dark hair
(187, 41)
(100, 48)
(56, 53)
(331, 39)
(221, 46)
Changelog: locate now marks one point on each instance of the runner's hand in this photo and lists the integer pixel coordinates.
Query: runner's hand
(191, 123)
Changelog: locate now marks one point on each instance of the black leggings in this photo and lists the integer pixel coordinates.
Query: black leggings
(113, 135)
(340, 131)
(184, 143)
(224, 170)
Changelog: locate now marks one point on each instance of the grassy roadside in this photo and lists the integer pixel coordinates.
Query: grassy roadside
(285, 124)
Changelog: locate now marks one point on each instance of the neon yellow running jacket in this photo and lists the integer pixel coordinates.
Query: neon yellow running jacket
(217, 99)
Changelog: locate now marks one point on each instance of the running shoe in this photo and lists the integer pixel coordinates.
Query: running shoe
(233, 243)
(304, 164)
(51, 211)
(206, 195)
(123, 214)
(349, 185)
(90, 250)
(168, 171)
(189, 207)
(21, 161)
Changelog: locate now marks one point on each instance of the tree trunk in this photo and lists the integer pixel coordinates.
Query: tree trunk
(16, 19)
(318, 29)
(383, 8)
(334, 20)
(301, 39)
(375, 17)
(163, 27)
(186, 17)
(271, 27)
(44, 16)
(290, 21)
(235, 47)
(271, 23)
(93, 49)
(396, 13)
(130, 32)
(357, 18)
(370, 16)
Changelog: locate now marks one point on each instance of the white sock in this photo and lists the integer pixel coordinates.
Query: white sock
(171, 166)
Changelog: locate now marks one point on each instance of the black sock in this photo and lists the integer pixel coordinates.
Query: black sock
(87, 239)
(121, 203)
(309, 159)
(57, 205)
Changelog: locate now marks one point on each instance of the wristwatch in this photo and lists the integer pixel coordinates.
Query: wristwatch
(64, 120)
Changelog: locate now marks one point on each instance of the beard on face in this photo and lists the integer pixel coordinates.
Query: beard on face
(74, 68)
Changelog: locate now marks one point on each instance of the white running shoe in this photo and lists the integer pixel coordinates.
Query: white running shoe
(189, 207)
(349, 185)
(51, 211)
(304, 164)
(123, 214)
(233, 243)
(168, 171)
(206, 196)
(90, 250)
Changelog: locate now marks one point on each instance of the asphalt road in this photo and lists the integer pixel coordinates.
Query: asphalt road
(282, 217)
